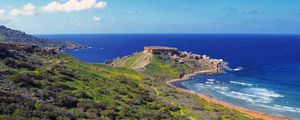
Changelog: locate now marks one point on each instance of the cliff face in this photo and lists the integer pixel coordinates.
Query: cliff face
(15, 36)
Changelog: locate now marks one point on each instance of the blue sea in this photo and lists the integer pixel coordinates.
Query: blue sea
(265, 74)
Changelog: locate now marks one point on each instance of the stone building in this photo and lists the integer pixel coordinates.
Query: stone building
(160, 50)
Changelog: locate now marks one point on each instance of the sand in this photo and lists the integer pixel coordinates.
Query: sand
(250, 113)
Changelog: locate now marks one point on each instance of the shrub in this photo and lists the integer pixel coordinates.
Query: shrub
(23, 80)
(66, 100)
(10, 62)
(82, 94)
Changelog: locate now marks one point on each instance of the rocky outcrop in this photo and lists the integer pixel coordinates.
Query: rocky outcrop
(195, 62)
(199, 62)
(13, 50)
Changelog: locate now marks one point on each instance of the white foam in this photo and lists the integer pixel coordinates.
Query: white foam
(221, 88)
(234, 69)
(200, 86)
(253, 95)
(210, 83)
(210, 80)
(240, 83)
(281, 108)
(237, 69)
(263, 92)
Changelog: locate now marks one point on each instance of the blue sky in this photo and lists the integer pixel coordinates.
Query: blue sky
(152, 16)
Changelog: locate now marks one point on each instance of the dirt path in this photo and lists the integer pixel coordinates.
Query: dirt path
(143, 60)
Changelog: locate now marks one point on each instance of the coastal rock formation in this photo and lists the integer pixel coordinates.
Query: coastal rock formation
(195, 62)
(9, 49)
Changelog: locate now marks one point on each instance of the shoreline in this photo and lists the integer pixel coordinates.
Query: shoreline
(247, 112)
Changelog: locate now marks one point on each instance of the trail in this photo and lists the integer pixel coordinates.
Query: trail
(143, 60)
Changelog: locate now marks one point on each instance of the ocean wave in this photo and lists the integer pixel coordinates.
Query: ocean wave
(281, 108)
(253, 95)
(200, 86)
(238, 69)
(234, 69)
(221, 88)
(240, 83)
(263, 92)
(210, 80)
(248, 97)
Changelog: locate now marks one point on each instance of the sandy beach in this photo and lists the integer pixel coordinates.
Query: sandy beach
(250, 113)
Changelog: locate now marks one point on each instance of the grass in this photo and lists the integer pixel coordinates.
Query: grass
(75, 86)
(62, 87)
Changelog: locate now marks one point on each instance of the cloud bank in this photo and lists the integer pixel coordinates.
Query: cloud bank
(7, 15)
(26, 10)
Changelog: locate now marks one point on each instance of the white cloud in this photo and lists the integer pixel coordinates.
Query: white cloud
(26, 10)
(73, 5)
(3, 18)
(96, 18)
(101, 5)
(2, 12)
(11, 14)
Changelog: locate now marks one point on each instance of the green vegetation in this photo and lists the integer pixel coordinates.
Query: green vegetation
(46, 84)
(162, 68)
(57, 86)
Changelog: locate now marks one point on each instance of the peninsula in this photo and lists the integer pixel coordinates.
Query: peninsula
(157, 62)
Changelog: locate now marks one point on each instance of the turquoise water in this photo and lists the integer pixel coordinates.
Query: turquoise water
(248, 92)
(267, 78)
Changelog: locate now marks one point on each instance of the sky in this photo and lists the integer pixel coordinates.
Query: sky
(151, 16)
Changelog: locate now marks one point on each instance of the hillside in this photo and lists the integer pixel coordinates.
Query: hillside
(165, 65)
(43, 83)
(46, 84)
(15, 36)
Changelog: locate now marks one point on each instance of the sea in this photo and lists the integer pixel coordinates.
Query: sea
(263, 73)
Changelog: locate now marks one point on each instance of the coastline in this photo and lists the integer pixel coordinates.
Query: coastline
(248, 112)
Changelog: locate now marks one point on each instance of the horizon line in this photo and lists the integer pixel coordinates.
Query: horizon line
(168, 34)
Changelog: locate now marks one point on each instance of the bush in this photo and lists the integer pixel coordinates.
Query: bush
(10, 62)
(15, 64)
(82, 94)
(67, 72)
(23, 80)
(66, 100)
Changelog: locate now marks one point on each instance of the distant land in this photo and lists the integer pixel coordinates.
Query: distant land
(10, 35)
